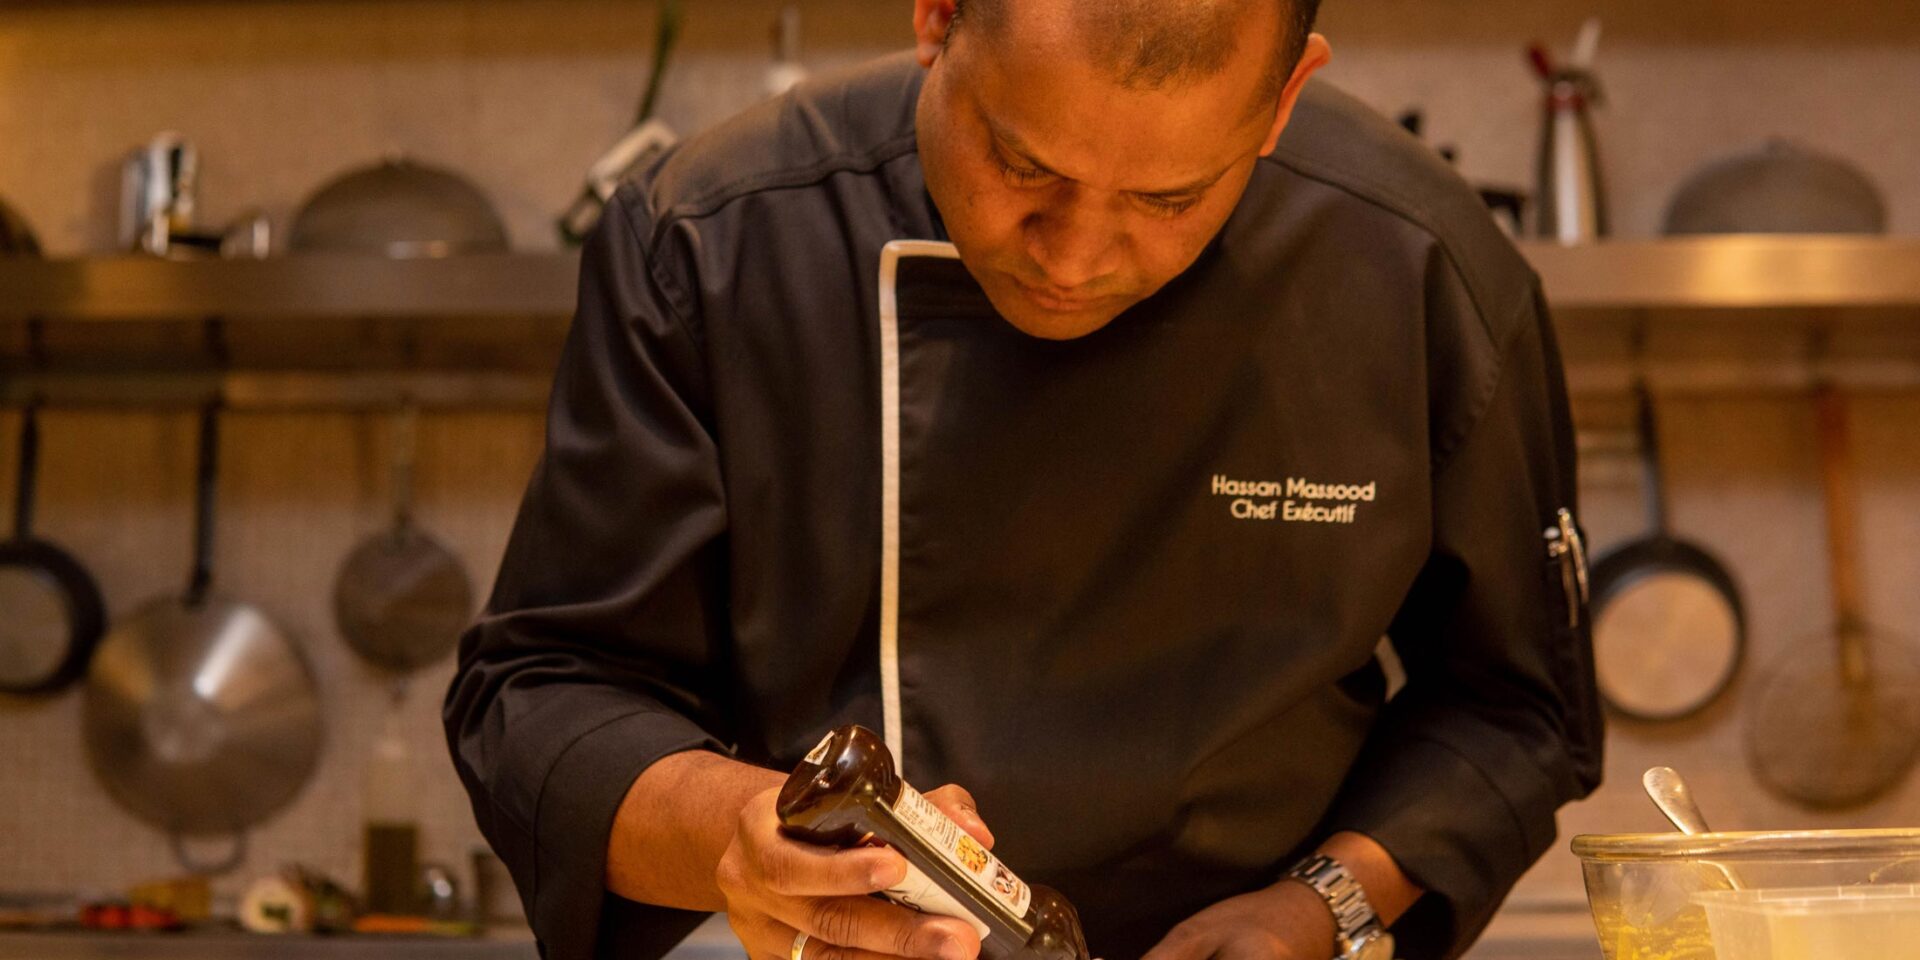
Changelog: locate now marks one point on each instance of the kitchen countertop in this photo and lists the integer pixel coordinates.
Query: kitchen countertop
(712, 941)
(1539, 932)
(1516, 934)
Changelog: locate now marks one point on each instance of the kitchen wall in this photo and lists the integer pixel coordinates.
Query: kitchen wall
(522, 94)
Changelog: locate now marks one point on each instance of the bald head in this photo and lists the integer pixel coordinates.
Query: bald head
(1150, 44)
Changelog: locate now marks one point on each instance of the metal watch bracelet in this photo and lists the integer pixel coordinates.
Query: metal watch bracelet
(1358, 933)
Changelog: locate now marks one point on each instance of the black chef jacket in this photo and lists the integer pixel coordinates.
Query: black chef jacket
(1141, 574)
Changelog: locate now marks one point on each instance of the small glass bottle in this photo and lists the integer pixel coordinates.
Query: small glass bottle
(390, 818)
(846, 793)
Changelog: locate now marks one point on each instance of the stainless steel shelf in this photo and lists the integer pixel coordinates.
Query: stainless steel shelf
(316, 287)
(1715, 273)
(1732, 273)
(285, 391)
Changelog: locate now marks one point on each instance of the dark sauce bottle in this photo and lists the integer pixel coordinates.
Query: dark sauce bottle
(846, 793)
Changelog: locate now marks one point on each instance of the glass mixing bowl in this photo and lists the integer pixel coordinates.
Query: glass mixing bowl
(1642, 886)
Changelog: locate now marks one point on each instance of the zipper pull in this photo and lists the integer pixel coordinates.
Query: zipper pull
(1566, 548)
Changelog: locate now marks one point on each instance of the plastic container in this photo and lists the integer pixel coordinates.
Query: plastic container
(1643, 888)
(1815, 923)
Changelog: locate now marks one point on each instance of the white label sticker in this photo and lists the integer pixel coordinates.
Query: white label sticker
(920, 892)
(983, 869)
(819, 752)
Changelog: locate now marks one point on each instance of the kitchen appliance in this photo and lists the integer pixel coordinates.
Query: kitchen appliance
(402, 598)
(643, 143)
(53, 612)
(1647, 891)
(159, 182)
(201, 715)
(1836, 721)
(1570, 187)
(1782, 187)
(398, 208)
(1669, 628)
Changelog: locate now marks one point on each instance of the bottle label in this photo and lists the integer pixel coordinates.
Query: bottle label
(984, 870)
(920, 892)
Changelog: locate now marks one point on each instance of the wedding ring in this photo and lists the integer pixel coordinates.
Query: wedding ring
(799, 947)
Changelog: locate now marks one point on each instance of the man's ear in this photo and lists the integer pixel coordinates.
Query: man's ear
(930, 21)
(1317, 54)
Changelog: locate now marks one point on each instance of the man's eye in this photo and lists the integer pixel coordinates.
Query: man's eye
(1167, 207)
(1023, 176)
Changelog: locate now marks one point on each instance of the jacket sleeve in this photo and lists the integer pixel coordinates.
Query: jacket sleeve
(591, 659)
(1498, 724)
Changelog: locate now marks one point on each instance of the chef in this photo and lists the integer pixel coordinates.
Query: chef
(1168, 454)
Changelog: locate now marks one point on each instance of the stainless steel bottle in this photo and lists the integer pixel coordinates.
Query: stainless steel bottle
(1573, 204)
(1571, 188)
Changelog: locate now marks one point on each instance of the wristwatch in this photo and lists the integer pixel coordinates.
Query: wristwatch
(1358, 934)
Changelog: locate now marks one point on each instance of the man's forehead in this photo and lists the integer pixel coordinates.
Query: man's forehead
(1225, 46)
(1144, 43)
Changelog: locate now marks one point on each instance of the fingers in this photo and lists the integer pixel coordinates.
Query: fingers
(876, 926)
(766, 860)
(954, 801)
(775, 887)
(822, 950)
(790, 868)
(857, 928)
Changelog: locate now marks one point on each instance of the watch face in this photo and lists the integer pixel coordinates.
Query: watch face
(1379, 946)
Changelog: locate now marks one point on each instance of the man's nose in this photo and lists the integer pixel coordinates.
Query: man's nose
(1074, 242)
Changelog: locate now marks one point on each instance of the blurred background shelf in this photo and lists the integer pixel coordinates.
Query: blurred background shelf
(308, 287)
(1715, 315)
(1714, 273)
(1732, 273)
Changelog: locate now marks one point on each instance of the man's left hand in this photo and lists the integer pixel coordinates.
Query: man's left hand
(1287, 921)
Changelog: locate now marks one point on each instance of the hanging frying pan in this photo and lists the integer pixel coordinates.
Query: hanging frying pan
(1669, 630)
(53, 614)
(402, 598)
(202, 716)
(1836, 721)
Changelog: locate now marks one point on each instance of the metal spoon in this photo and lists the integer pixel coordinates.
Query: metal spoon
(1669, 792)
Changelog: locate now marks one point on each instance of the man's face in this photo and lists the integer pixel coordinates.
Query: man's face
(1070, 196)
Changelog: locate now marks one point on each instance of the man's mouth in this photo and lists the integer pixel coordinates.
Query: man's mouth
(1054, 299)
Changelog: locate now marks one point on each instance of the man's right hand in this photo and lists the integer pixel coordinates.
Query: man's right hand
(777, 888)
